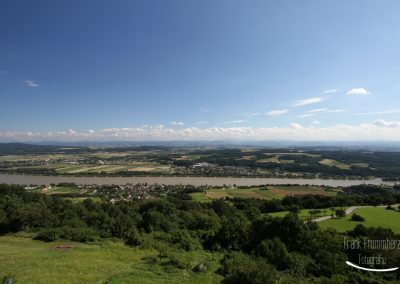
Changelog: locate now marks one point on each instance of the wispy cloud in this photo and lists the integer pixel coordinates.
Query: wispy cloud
(31, 83)
(201, 122)
(235, 121)
(277, 112)
(203, 109)
(380, 112)
(335, 110)
(305, 115)
(308, 101)
(358, 91)
(180, 123)
(330, 91)
(317, 110)
(315, 122)
(252, 114)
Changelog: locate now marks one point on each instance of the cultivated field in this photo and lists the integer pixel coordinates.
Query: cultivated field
(269, 192)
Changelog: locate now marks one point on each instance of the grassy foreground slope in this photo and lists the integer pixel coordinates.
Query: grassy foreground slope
(374, 217)
(31, 261)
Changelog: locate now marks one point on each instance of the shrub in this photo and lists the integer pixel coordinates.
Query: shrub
(240, 268)
(133, 237)
(340, 213)
(357, 218)
(79, 234)
(185, 241)
(49, 234)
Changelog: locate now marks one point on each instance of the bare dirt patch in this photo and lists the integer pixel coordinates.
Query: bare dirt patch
(64, 247)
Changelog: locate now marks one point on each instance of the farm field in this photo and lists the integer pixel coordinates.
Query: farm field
(135, 166)
(282, 191)
(374, 217)
(31, 261)
(198, 161)
(334, 163)
(61, 190)
(269, 192)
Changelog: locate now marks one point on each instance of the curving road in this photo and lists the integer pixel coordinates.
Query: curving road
(348, 211)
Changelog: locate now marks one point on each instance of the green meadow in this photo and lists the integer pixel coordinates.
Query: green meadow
(303, 213)
(374, 217)
(30, 261)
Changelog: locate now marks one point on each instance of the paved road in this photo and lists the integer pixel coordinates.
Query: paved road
(348, 211)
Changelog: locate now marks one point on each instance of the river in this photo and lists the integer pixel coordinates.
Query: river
(212, 181)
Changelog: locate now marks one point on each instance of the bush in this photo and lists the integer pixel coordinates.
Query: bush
(133, 237)
(274, 250)
(82, 234)
(79, 234)
(49, 235)
(340, 213)
(357, 218)
(240, 268)
(185, 241)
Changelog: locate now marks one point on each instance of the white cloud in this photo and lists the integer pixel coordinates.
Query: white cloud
(306, 115)
(31, 83)
(384, 123)
(180, 123)
(358, 91)
(201, 122)
(377, 130)
(330, 91)
(317, 110)
(277, 112)
(316, 122)
(235, 121)
(335, 110)
(308, 101)
(251, 114)
(380, 112)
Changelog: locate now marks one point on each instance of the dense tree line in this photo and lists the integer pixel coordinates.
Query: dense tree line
(257, 248)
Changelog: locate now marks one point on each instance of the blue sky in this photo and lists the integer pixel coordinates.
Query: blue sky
(78, 68)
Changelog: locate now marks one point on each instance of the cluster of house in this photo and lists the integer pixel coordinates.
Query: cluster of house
(209, 169)
(128, 192)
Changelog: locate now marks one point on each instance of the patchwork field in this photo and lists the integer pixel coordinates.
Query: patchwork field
(269, 192)
(136, 166)
(334, 163)
(374, 217)
(282, 191)
(29, 261)
(61, 190)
